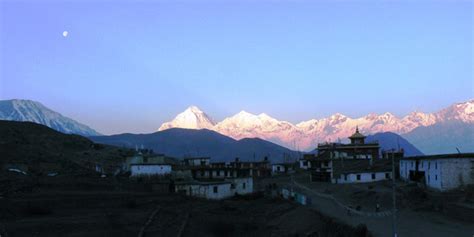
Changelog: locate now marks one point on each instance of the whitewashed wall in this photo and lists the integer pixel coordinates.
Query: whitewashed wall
(206, 191)
(138, 170)
(441, 174)
(243, 185)
(455, 173)
(364, 178)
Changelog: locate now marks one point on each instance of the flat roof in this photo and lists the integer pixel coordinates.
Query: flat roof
(441, 156)
(150, 164)
(205, 182)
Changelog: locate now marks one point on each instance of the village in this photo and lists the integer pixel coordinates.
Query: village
(357, 179)
(378, 192)
(335, 163)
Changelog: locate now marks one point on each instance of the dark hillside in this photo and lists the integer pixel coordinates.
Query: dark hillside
(38, 150)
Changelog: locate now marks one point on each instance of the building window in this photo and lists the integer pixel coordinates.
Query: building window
(345, 177)
(428, 178)
(243, 185)
(436, 177)
(387, 175)
(232, 186)
(215, 189)
(358, 177)
(373, 176)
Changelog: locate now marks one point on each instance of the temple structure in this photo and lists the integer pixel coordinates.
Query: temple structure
(356, 149)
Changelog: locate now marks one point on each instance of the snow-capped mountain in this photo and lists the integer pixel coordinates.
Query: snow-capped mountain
(247, 125)
(305, 135)
(192, 118)
(32, 111)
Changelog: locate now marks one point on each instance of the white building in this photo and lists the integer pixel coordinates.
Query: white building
(282, 168)
(150, 169)
(305, 162)
(342, 171)
(362, 177)
(208, 190)
(242, 186)
(216, 190)
(440, 172)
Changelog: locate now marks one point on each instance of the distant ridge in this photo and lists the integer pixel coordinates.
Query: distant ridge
(443, 137)
(390, 140)
(32, 111)
(178, 142)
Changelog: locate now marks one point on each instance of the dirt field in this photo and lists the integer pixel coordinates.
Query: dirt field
(99, 210)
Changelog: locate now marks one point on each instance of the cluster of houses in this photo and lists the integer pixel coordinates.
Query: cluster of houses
(338, 163)
(198, 176)
(362, 162)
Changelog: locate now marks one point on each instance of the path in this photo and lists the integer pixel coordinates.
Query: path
(409, 223)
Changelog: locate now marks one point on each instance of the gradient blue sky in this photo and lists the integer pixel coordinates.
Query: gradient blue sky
(128, 66)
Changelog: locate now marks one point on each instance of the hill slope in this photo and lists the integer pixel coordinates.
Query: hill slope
(389, 140)
(32, 111)
(38, 146)
(180, 142)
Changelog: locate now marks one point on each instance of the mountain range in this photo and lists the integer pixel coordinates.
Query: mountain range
(440, 132)
(307, 134)
(179, 142)
(32, 111)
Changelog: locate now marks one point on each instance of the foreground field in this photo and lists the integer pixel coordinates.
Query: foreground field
(99, 210)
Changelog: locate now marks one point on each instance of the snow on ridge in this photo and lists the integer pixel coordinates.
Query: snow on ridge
(32, 111)
(191, 118)
(306, 134)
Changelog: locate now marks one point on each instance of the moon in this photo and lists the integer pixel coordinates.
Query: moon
(65, 33)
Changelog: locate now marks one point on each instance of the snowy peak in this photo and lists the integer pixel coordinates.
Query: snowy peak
(306, 134)
(191, 118)
(461, 111)
(32, 111)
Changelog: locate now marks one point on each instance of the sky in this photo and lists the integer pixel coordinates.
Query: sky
(128, 66)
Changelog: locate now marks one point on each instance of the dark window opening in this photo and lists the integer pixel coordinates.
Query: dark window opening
(243, 186)
(215, 189)
(358, 177)
(373, 176)
(387, 175)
